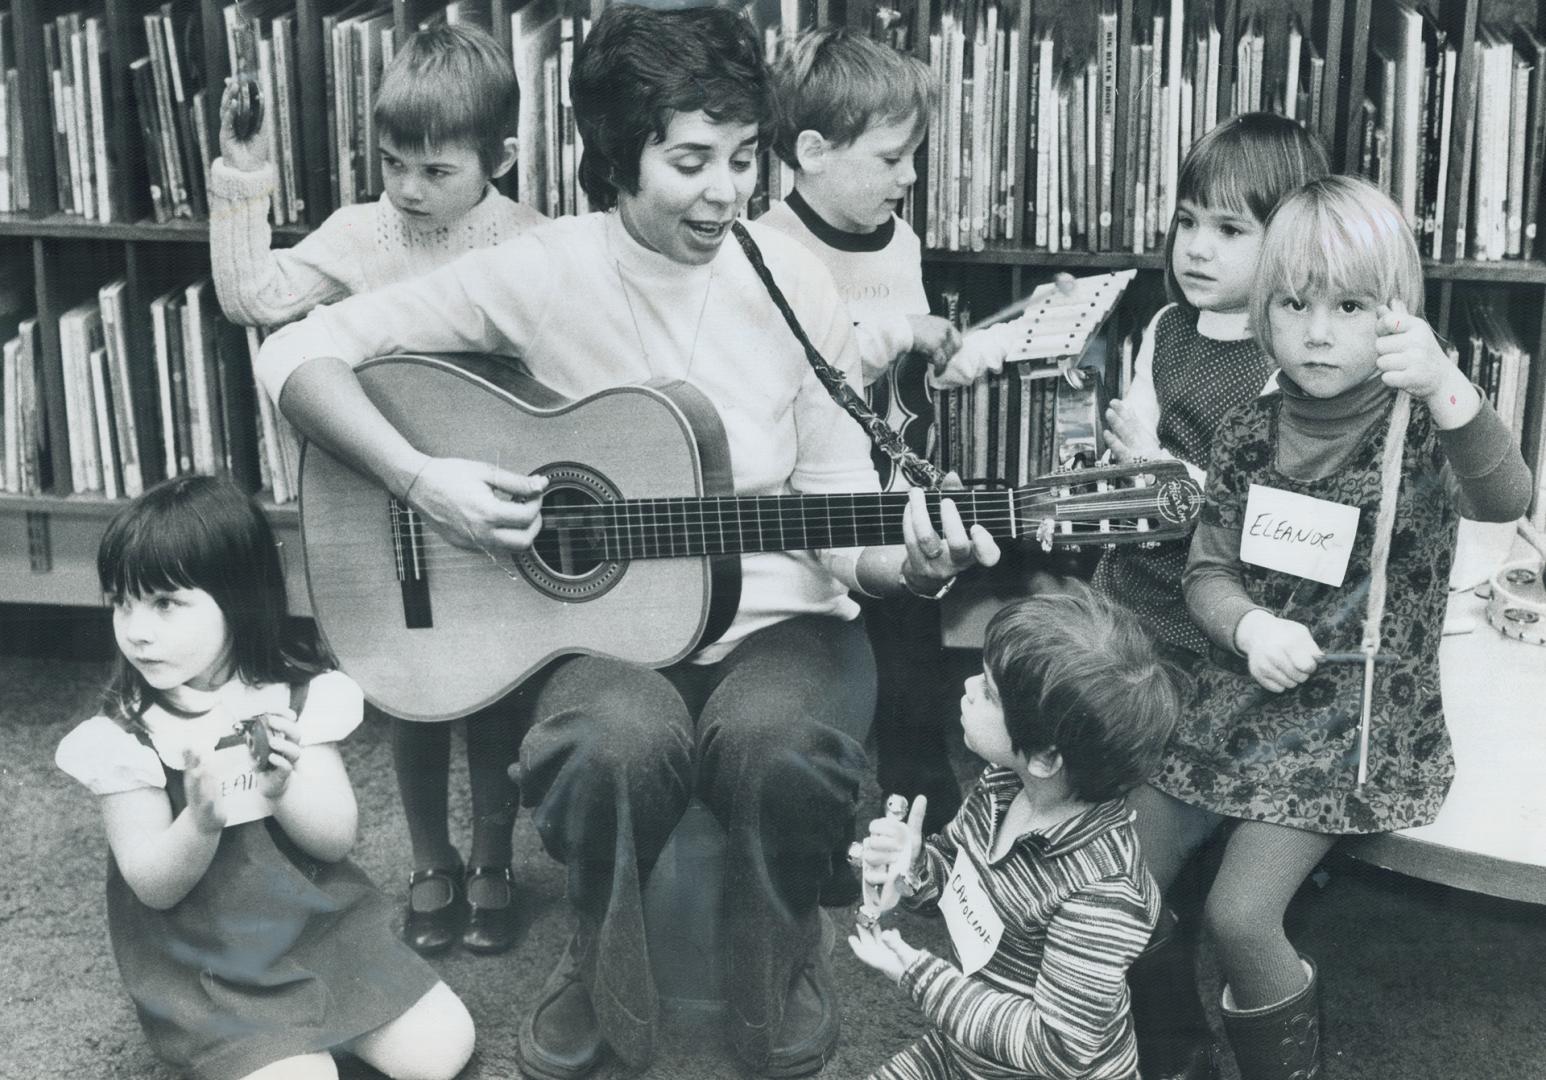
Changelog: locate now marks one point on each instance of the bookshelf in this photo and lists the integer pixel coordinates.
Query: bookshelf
(47, 541)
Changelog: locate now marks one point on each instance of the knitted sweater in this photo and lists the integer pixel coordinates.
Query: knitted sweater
(357, 249)
(588, 308)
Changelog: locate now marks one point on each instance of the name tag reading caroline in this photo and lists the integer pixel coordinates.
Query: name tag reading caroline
(1295, 534)
(974, 926)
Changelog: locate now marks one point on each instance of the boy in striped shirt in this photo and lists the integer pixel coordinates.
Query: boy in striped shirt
(1039, 876)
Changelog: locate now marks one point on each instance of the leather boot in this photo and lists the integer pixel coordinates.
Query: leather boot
(1278, 1042)
(1174, 1040)
(560, 1039)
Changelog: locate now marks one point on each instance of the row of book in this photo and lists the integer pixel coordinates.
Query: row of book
(1490, 352)
(128, 424)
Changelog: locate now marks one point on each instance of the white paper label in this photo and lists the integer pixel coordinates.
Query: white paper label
(1295, 534)
(975, 927)
(232, 762)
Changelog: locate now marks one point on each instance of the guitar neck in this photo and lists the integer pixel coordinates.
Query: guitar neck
(742, 524)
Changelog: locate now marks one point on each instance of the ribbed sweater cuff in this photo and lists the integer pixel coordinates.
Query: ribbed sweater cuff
(235, 185)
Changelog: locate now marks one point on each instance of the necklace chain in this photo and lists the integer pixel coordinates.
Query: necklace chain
(649, 362)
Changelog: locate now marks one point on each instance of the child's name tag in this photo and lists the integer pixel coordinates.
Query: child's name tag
(975, 927)
(232, 762)
(1295, 534)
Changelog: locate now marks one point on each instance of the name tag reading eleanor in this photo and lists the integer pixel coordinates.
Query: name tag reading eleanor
(975, 927)
(1295, 534)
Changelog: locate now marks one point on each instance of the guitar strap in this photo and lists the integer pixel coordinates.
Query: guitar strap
(918, 471)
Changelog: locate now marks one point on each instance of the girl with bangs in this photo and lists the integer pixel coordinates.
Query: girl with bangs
(1197, 361)
(1271, 743)
(249, 942)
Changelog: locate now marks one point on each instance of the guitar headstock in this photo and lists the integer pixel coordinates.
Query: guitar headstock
(1136, 502)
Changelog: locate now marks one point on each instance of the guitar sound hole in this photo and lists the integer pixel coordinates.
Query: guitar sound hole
(569, 559)
(568, 544)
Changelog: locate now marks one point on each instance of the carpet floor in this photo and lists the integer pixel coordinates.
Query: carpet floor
(1421, 982)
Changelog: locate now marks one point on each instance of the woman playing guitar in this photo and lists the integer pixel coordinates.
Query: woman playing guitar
(765, 725)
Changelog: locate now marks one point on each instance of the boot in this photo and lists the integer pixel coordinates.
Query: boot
(1174, 1040)
(1278, 1042)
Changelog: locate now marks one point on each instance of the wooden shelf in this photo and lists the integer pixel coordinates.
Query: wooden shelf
(99, 506)
(75, 227)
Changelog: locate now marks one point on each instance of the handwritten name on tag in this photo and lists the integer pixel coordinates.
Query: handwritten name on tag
(233, 763)
(1295, 534)
(975, 927)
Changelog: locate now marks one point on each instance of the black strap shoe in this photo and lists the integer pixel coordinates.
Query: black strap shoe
(560, 1038)
(435, 919)
(490, 927)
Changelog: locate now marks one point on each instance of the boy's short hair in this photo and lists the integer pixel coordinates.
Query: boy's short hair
(450, 83)
(639, 67)
(1336, 236)
(1078, 674)
(838, 82)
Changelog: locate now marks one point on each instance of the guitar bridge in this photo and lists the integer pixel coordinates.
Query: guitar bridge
(412, 579)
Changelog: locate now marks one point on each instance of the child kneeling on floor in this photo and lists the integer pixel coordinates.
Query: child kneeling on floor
(1039, 876)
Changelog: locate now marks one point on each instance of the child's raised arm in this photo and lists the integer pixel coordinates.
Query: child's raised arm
(257, 285)
(1482, 455)
(162, 857)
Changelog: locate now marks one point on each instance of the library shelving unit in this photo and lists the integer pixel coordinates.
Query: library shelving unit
(47, 542)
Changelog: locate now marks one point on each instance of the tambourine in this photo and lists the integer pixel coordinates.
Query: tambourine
(1517, 605)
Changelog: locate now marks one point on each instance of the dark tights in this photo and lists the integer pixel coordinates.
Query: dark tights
(422, 755)
(1263, 867)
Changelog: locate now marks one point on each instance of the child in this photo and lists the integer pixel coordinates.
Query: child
(445, 117)
(1039, 875)
(1197, 361)
(852, 113)
(1271, 739)
(249, 942)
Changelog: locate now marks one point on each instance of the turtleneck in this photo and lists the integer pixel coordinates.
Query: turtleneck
(1315, 435)
(643, 263)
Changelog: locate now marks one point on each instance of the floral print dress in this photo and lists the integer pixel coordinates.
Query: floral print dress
(1292, 758)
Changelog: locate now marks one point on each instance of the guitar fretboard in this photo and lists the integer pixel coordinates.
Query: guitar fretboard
(674, 527)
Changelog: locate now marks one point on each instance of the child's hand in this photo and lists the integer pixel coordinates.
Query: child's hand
(937, 337)
(981, 352)
(284, 746)
(202, 789)
(1410, 358)
(1129, 435)
(893, 844)
(883, 950)
(244, 156)
(1281, 653)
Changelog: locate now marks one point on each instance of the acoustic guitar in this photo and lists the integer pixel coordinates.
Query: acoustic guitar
(638, 555)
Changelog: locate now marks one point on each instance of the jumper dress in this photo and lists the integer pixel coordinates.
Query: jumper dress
(1197, 380)
(1292, 758)
(273, 953)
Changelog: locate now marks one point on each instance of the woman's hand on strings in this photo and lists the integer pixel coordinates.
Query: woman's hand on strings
(934, 559)
(1410, 358)
(248, 155)
(479, 506)
(1281, 653)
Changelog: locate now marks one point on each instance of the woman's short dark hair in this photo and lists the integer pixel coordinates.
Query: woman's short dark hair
(1078, 674)
(639, 67)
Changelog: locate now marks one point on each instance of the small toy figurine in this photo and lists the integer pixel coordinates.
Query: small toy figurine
(879, 899)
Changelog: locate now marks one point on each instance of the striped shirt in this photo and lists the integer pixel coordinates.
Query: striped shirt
(1078, 906)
